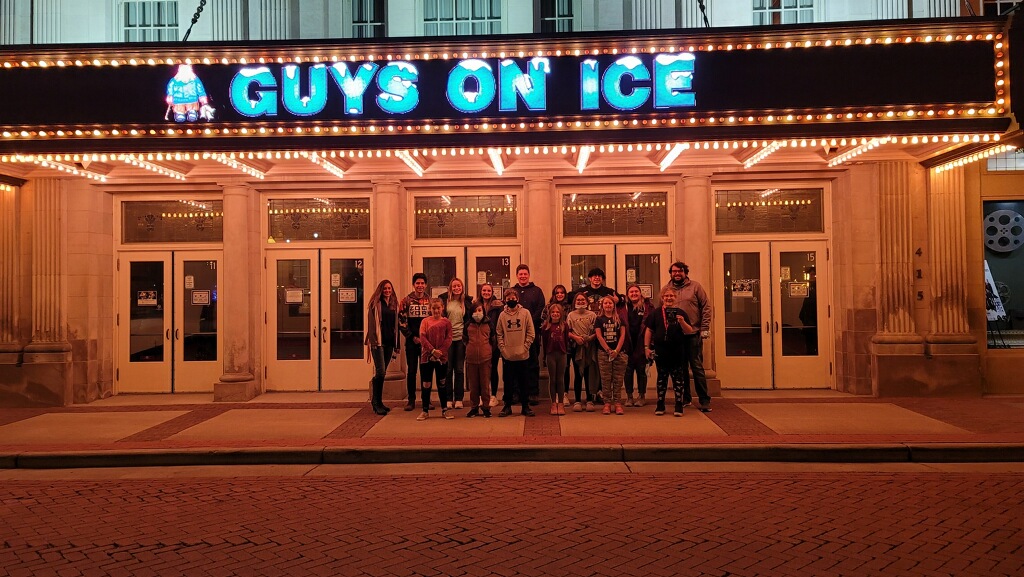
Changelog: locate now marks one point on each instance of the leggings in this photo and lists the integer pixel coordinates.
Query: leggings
(670, 364)
(556, 374)
(457, 370)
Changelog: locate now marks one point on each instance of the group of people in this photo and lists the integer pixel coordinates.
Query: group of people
(594, 339)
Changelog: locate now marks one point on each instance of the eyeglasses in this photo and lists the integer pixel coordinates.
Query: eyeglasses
(675, 270)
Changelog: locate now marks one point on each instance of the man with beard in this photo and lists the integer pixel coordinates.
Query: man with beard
(691, 298)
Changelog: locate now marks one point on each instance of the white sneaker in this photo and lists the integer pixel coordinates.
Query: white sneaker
(566, 403)
(458, 404)
(423, 416)
(450, 405)
(494, 401)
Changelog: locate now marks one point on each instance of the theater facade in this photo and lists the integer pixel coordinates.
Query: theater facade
(211, 217)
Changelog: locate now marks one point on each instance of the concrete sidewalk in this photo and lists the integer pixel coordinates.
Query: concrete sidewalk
(334, 428)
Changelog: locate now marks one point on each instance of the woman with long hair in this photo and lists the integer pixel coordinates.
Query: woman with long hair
(457, 310)
(492, 308)
(381, 339)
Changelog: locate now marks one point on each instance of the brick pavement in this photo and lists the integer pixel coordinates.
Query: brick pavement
(722, 524)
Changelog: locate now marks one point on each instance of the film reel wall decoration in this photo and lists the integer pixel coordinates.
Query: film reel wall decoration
(1004, 230)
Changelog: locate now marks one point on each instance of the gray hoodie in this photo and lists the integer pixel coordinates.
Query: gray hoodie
(515, 333)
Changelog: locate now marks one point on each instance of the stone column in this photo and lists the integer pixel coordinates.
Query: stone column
(46, 24)
(387, 210)
(8, 24)
(9, 345)
(238, 382)
(692, 245)
(896, 348)
(951, 348)
(275, 19)
(229, 19)
(540, 248)
(47, 360)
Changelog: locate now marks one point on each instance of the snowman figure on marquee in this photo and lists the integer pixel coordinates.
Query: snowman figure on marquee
(186, 97)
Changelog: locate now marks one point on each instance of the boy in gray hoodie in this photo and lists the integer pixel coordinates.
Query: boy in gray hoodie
(515, 332)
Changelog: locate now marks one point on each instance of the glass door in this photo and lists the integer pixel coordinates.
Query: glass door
(346, 282)
(198, 347)
(495, 265)
(577, 260)
(643, 265)
(776, 332)
(144, 358)
(293, 330)
(801, 320)
(440, 264)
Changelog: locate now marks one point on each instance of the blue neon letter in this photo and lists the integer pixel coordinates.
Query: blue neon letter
(241, 84)
(532, 87)
(632, 67)
(471, 102)
(673, 81)
(590, 85)
(291, 90)
(399, 93)
(353, 87)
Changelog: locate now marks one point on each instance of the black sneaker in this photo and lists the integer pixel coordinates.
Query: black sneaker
(486, 412)
(505, 411)
(704, 408)
(528, 412)
(660, 409)
(473, 412)
(679, 409)
(410, 406)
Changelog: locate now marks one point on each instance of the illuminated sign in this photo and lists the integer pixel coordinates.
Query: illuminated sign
(283, 89)
(470, 87)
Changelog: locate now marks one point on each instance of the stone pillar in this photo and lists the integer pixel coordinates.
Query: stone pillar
(388, 262)
(47, 359)
(8, 23)
(692, 245)
(46, 22)
(238, 382)
(275, 19)
(9, 346)
(229, 19)
(540, 248)
(896, 348)
(955, 364)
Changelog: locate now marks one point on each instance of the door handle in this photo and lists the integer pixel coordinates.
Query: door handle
(167, 335)
(176, 337)
(323, 334)
(767, 326)
(314, 332)
(776, 326)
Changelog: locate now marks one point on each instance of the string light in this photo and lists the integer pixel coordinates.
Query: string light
(764, 153)
(974, 157)
(237, 165)
(411, 162)
(139, 162)
(861, 149)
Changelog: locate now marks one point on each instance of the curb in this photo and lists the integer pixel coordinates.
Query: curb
(792, 453)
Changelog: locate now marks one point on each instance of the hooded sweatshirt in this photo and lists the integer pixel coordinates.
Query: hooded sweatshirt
(515, 334)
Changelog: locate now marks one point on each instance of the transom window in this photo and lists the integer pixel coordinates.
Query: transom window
(767, 12)
(368, 18)
(149, 20)
(997, 7)
(452, 17)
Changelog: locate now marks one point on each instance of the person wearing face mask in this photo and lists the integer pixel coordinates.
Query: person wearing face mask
(516, 335)
(478, 335)
(693, 301)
